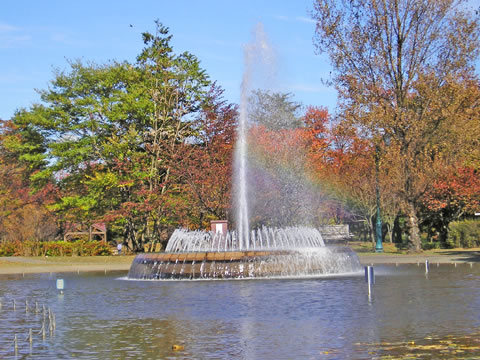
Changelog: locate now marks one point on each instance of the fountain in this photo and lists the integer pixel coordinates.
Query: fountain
(272, 252)
(245, 253)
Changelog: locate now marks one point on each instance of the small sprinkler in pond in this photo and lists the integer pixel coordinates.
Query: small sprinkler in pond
(60, 285)
(427, 264)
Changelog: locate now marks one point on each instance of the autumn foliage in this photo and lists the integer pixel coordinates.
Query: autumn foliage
(23, 215)
(148, 146)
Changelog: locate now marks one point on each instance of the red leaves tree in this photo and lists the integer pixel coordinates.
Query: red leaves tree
(451, 196)
(24, 215)
(280, 174)
(203, 166)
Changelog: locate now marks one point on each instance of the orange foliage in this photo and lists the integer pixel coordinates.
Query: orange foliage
(23, 214)
(458, 191)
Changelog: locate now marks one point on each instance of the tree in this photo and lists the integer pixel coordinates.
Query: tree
(110, 134)
(404, 71)
(454, 194)
(23, 215)
(280, 171)
(203, 166)
(347, 173)
(274, 110)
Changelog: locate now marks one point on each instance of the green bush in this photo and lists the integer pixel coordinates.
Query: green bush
(464, 234)
(55, 248)
(426, 245)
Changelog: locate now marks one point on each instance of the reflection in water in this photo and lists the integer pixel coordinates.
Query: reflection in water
(102, 316)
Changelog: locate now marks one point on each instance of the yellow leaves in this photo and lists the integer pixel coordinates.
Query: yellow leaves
(428, 347)
(105, 180)
(448, 346)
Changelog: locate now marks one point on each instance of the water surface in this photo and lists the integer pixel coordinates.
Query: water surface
(105, 316)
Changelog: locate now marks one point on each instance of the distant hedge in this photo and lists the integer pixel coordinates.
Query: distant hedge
(54, 248)
(464, 234)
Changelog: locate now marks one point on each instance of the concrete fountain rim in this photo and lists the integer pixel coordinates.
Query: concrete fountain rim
(231, 255)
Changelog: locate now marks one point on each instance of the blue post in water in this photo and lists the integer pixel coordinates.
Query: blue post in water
(369, 277)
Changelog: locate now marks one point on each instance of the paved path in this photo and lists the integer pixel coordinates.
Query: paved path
(29, 265)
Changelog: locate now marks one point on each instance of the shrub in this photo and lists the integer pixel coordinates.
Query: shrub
(464, 234)
(7, 248)
(426, 245)
(54, 248)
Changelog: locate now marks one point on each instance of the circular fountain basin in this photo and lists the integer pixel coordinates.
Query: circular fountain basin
(245, 264)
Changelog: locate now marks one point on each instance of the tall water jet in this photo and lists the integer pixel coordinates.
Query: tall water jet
(257, 53)
(241, 170)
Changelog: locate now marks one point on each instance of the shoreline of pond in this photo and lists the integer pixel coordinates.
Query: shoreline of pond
(57, 264)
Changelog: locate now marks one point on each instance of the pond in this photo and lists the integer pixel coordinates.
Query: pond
(105, 316)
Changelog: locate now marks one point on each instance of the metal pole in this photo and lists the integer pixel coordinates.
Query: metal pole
(378, 226)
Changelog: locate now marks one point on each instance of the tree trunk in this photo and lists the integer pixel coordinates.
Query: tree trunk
(414, 242)
(371, 230)
(130, 237)
(390, 232)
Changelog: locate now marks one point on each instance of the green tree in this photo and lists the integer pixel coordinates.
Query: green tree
(110, 133)
(273, 110)
(405, 71)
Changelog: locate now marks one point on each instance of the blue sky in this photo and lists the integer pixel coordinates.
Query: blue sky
(38, 36)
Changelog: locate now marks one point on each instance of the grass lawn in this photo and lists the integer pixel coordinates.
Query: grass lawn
(361, 247)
